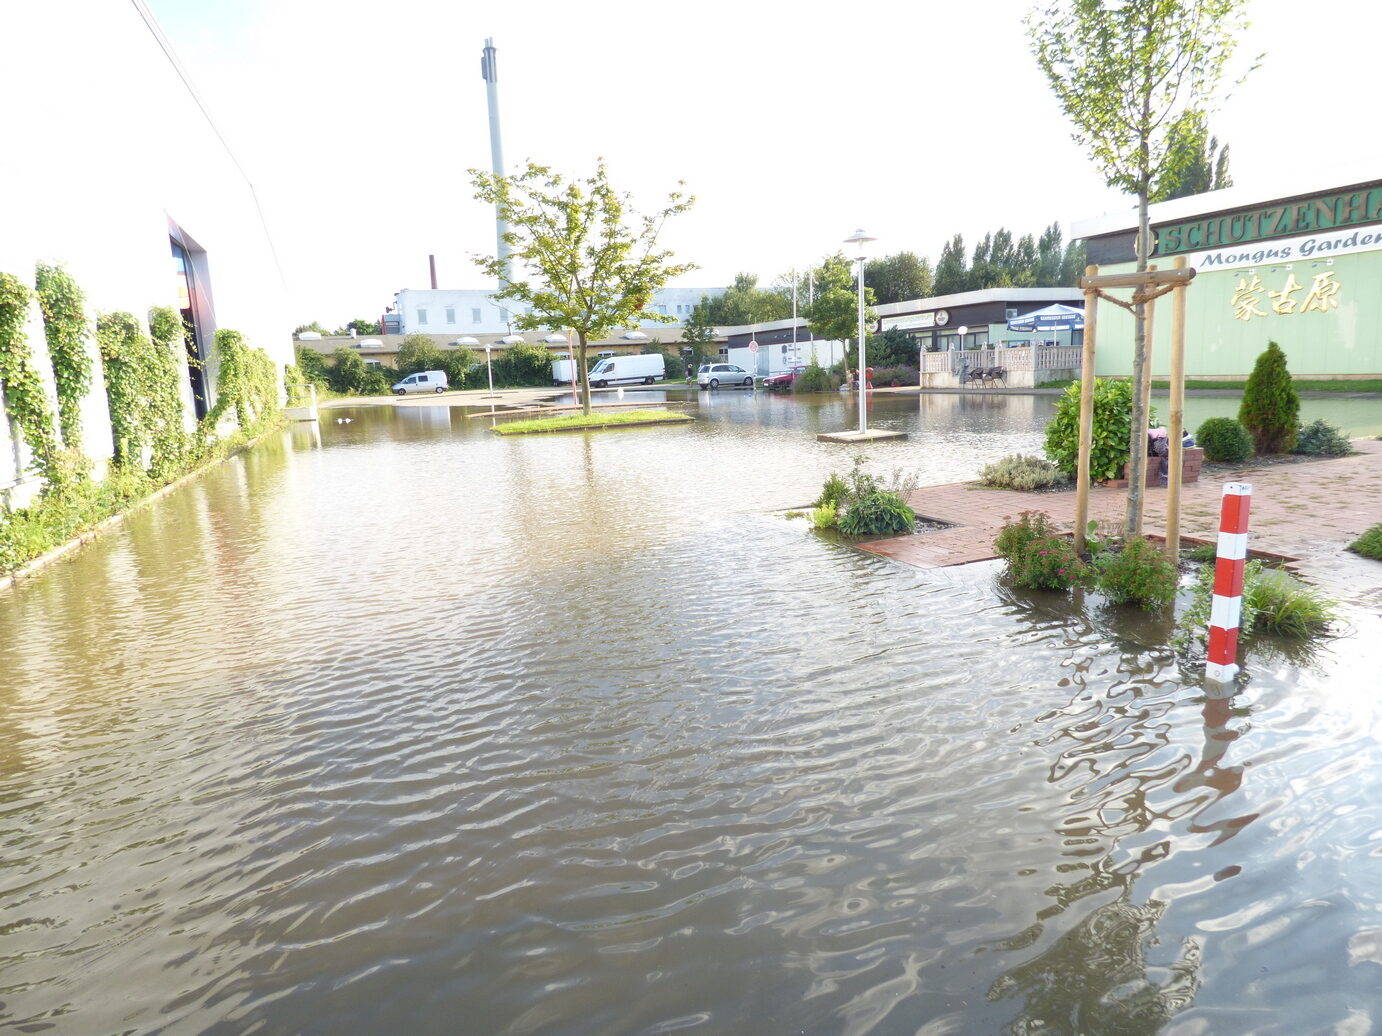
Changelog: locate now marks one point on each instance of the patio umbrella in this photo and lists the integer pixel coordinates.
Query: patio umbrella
(1052, 318)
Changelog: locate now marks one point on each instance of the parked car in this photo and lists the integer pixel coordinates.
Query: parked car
(426, 381)
(713, 375)
(783, 380)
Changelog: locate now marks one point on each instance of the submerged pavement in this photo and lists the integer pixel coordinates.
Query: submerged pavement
(1307, 512)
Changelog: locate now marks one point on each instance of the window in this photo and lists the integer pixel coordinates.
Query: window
(474, 316)
(450, 314)
(422, 316)
(662, 310)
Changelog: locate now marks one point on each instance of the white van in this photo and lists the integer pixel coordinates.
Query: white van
(427, 381)
(614, 370)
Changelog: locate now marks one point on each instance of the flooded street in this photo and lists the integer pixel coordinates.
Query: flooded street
(397, 726)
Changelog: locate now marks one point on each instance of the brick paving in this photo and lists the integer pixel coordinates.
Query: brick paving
(1307, 513)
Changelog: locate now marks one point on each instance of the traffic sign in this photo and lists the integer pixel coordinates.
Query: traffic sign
(753, 345)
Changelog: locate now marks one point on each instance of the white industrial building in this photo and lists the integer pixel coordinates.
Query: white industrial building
(475, 311)
(113, 169)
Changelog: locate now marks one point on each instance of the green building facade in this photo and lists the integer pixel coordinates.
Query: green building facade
(1303, 270)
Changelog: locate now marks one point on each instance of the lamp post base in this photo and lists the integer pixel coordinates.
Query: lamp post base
(871, 435)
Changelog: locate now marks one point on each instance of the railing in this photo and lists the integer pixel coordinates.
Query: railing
(1026, 358)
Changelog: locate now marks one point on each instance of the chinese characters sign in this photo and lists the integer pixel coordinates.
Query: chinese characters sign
(1251, 298)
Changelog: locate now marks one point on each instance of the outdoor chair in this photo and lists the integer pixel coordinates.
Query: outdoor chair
(997, 374)
(976, 375)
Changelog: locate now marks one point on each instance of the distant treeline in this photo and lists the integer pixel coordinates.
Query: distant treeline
(998, 260)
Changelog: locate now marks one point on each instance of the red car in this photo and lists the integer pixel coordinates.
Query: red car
(783, 381)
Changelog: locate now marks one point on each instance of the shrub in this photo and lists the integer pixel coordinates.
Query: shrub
(1224, 439)
(903, 375)
(833, 493)
(1138, 574)
(1021, 472)
(878, 514)
(1322, 439)
(1285, 606)
(1111, 427)
(823, 517)
(1273, 602)
(1271, 408)
(1038, 558)
(1369, 544)
(815, 378)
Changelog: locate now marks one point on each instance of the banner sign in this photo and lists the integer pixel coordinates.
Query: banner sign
(1316, 246)
(1323, 212)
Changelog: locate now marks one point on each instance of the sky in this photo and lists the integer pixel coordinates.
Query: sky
(791, 124)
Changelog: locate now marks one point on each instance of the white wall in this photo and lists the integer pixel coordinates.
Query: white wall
(410, 302)
(104, 146)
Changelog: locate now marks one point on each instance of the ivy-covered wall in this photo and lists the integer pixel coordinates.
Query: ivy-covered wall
(141, 374)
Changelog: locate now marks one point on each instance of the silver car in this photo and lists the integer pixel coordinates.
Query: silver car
(713, 375)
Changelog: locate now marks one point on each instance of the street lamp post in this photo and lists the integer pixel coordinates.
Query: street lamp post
(859, 239)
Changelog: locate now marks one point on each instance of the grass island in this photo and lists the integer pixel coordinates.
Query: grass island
(593, 421)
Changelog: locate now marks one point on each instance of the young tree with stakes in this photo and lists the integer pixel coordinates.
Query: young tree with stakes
(1126, 74)
(592, 262)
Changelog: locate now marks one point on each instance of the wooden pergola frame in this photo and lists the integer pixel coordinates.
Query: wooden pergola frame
(1146, 287)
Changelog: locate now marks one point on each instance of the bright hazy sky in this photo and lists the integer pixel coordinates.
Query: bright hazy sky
(792, 124)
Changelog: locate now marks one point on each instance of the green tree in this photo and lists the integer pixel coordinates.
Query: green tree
(419, 353)
(360, 326)
(311, 363)
(1197, 164)
(1270, 410)
(1125, 76)
(1049, 254)
(698, 330)
(1072, 264)
(592, 263)
(951, 272)
(834, 315)
(313, 326)
(744, 302)
(1025, 262)
(893, 348)
(898, 278)
(349, 373)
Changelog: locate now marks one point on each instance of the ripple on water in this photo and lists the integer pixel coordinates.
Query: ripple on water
(568, 736)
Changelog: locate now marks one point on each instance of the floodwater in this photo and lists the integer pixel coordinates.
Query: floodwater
(397, 726)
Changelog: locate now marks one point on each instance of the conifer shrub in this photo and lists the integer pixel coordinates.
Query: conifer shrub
(1369, 544)
(1224, 440)
(1021, 472)
(1321, 439)
(1270, 410)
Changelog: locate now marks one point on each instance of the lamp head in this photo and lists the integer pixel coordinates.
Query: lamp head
(859, 239)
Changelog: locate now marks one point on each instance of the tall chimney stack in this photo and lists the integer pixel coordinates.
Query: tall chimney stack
(432, 265)
(490, 71)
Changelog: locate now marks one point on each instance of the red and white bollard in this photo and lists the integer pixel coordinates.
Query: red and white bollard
(1226, 607)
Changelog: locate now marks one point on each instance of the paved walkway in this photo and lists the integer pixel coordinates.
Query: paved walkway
(1304, 512)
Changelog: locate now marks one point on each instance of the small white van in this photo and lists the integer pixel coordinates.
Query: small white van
(426, 381)
(614, 370)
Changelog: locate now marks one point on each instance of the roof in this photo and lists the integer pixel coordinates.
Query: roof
(971, 298)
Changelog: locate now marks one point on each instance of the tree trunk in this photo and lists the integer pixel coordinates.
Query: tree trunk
(585, 374)
(1137, 461)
